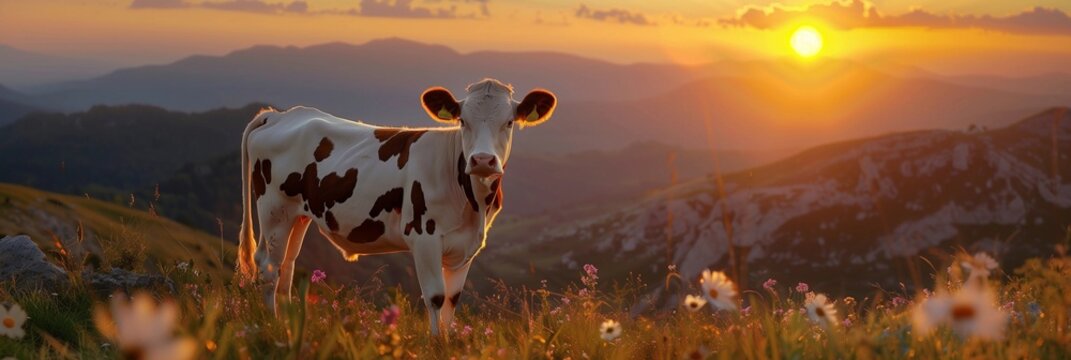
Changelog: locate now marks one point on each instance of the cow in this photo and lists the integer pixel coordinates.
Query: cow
(433, 192)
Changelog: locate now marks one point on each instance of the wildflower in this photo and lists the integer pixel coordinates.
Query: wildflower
(488, 332)
(820, 310)
(591, 277)
(849, 301)
(11, 321)
(143, 330)
(769, 284)
(899, 301)
(694, 303)
(847, 322)
(803, 288)
(610, 330)
(980, 265)
(318, 276)
(718, 290)
(390, 315)
(971, 312)
(465, 331)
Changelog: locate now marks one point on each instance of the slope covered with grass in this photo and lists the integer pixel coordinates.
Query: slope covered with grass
(96, 232)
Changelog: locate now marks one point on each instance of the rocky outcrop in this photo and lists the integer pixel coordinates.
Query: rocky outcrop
(23, 265)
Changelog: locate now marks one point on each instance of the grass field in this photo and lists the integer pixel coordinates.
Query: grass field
(971, 310)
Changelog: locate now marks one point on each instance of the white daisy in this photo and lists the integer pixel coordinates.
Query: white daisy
(610, 330)
(144, 330)
(694, 303)
(11, 321)
(971, 312)
(820, 310)
(718, 289)
(979, 266)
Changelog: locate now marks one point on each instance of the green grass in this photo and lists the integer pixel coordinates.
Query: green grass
(343, 321)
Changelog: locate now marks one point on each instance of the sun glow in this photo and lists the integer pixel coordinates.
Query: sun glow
(806, 41)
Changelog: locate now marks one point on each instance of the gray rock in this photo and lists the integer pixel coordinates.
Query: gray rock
(24, 265)
(107, 283)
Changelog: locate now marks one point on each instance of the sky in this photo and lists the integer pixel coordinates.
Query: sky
(1000, 37)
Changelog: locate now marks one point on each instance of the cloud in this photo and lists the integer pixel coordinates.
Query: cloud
(158, 4)
(403, 9)
(257, 6)
(613, 15)
(371, 8)
(861, 14)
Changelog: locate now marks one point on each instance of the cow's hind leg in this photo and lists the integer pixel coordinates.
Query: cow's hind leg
(293, 248)
(455, 281)
(273, 238)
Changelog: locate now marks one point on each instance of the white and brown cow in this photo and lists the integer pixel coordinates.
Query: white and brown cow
(374, 190)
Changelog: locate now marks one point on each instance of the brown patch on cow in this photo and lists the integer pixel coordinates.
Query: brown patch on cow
(465, 181)
(369, 231)
(396, 142)
(323, 150)
(455, 298)
(265, 169)
(431, 226)
(416, 196)
(389, 201)
(320, 195)
(259, 186)
(332, 223)
(494, 198)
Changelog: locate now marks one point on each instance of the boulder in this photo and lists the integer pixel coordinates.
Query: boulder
(23, 265)
(116, 279)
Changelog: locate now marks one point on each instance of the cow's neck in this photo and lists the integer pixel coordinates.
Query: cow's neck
(481, 187)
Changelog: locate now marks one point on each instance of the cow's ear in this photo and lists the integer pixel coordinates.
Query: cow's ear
(441, 105)
(536, 107)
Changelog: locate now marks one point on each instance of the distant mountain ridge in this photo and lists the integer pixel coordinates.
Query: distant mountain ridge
(844, 216)
(750, 105)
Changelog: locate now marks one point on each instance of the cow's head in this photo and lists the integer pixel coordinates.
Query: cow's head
(487, 116)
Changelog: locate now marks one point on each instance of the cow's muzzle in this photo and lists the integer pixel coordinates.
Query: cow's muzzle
(484, 165)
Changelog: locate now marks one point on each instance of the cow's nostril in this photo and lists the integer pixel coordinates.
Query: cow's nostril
(472, 161)
(493, 162)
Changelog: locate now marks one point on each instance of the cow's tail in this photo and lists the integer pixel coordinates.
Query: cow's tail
(247, 243)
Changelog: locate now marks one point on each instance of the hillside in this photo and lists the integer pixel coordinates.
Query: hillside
(138, 239)
(863, 210)
(115, 147)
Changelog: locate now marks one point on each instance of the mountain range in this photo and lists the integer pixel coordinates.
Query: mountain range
(752, 105)
(844, 217)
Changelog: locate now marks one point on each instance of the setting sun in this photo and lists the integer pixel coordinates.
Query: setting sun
(806, 41)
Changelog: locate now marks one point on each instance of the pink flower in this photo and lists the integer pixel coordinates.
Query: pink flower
(591, 277)
(318, 276)
(466, 330)
(488, 332)
(803, 287)
(899, 301)
(390, 315)
(591, 270)
(847, 322)
(769, 284)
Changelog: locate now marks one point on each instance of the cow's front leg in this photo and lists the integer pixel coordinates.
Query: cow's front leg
(428, 260)
(455, 282)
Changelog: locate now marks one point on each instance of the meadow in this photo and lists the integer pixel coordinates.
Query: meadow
(971, 310)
